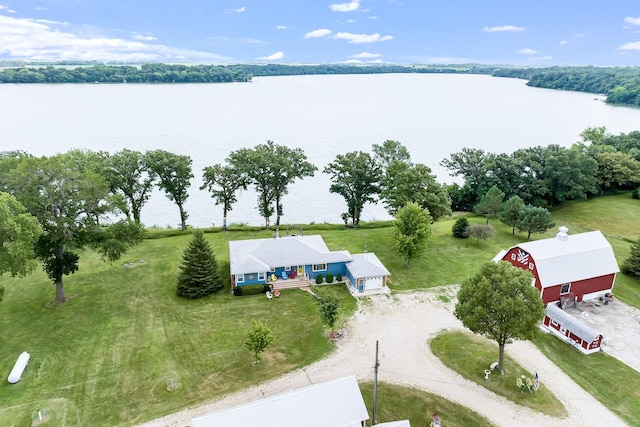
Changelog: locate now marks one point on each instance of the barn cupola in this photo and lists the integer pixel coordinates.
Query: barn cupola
(562, 233)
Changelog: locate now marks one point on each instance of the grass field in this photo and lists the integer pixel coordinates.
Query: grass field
(394, 403)
(469, 355)
(107, 356)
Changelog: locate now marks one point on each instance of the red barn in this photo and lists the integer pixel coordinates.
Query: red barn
(569, 267)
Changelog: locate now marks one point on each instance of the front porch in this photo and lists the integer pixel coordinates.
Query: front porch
(299, 282)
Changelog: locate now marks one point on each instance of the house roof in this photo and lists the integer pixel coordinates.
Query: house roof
(257, 255)
(367, 265)
(572, 324)
(578, 257)
(336, 403)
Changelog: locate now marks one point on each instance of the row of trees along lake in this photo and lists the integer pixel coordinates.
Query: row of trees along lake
(69, 195)
(621, 85)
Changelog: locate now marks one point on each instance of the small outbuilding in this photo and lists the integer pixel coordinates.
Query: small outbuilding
(572, 330)
(367, 273)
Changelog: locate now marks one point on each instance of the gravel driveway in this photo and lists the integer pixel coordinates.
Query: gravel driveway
(403, 323)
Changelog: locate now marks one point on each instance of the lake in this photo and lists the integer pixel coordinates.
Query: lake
(433, 115)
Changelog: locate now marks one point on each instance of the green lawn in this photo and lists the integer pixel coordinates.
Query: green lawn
(609, 380)
(106, 356)
(395, 403)
(469, 355)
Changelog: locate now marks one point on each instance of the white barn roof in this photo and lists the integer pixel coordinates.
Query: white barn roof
(578, 257)
(572, 324)
(367, 265)
(257, 255)
(336, 403)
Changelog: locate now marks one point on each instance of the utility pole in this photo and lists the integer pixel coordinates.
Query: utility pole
(375, 387)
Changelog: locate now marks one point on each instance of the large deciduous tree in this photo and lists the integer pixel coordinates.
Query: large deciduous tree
(404, 183)
(271, 168)
(356, 177)
(68, 201)
(128, 174)
(617, 170)
(199, 275)
(391, 151)
(411, 229)
(500, 303)
(174, 175)
(19, 231)
(329, 310)
(223, 181)
(534, 219)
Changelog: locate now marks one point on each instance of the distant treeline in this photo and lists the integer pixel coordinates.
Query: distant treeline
(621, 85)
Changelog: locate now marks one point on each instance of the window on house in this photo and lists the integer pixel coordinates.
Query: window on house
(319, 267)
(554, 323)
(262, 276)
(287, 268)
(530, 266)
(240, 278)
(513, 257)
(565, 288)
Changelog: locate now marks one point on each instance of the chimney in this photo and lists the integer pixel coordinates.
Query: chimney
(562, 233)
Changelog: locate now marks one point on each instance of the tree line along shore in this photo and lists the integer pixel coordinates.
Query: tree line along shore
(620, 85)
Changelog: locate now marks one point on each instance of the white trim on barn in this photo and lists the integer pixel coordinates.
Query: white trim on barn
(336, 403)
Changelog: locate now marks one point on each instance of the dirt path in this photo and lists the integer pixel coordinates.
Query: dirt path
(403, 323)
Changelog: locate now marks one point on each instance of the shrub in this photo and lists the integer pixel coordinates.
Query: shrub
(636, 193)
(459, 228)
(339, 277)
(319, 279)
(250, 290)
(329, 277)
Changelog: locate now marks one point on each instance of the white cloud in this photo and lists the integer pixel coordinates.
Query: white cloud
(40, 8)
(144, 38)
(281, 27)
(362, 38)
(540, 58)
(272, 57)
(526, 51)
(323, 32)
(28, 39)
(563, 42)
(632, 21)
(503, 28)
(351, 21)
(353, 61)
(630, 46)
(581, 35)
(50, 22)
(366, 55)
(238, 10)
(345, 7)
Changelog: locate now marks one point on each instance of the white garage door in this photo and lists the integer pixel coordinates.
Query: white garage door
(373, 283)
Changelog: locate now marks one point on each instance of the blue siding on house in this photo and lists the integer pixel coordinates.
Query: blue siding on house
(333, 268)
(251, 279)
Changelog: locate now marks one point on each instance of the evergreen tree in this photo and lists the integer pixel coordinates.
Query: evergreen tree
(490, 203)
(534, 219)
(459, 228)
(631, 265)
(509, 213)
(199, 274)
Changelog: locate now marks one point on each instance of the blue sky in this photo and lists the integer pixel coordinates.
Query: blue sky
(534, 33)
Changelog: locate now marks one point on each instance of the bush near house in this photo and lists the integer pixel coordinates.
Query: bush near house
(319, 279)
(329, 278)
